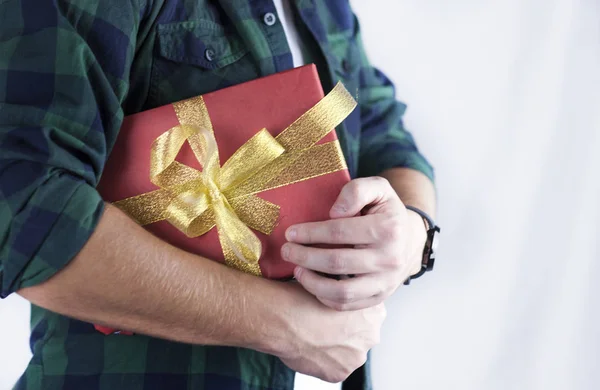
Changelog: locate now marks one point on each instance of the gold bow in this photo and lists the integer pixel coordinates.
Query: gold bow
(225, 196)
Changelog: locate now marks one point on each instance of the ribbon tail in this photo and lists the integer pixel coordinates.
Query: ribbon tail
(317, 122)
(146, 208)
(316, 161)
(293, 167)
(241, 247)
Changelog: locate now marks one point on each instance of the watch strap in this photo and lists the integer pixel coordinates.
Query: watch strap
(428, 220)
(431, 226)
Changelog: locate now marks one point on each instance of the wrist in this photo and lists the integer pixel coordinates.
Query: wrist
(417, 241)
(272, 319)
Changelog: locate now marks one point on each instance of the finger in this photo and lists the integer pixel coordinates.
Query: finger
(341, 291)
(360, 193)
(333, 261)
(358, 305)
(365, 230)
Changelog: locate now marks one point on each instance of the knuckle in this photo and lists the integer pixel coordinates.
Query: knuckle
(379, 184)
(336, 262)
(373, 233)
(353, 190)
(346, 294)
(391, 229)
(337, 232)
(390, 261)
(381, 181)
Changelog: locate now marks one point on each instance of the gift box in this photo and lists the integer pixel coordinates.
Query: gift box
(225, 174)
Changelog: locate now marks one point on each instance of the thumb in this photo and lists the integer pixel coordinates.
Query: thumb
(360, 193)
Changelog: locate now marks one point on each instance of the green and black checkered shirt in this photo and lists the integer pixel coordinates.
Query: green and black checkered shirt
(69, 72)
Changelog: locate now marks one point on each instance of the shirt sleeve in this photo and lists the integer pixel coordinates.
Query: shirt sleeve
(64, 70)
(384, 143)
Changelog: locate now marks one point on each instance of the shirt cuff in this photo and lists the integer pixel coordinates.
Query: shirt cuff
(49, 232)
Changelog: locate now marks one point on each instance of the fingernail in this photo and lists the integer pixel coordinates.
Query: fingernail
(291, 234)
(285, 251)
(297, 272)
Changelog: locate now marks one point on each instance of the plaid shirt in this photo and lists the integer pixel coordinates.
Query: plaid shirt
(69, 72)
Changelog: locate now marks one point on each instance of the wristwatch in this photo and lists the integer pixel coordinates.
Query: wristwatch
(433, 232)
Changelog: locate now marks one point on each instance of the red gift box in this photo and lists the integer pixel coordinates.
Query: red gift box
(237, 114)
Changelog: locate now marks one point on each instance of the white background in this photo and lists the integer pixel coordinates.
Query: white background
(504, 97)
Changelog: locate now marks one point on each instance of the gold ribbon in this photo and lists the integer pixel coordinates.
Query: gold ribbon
(225, 196)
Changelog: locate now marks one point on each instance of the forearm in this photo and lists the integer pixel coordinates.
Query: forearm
(126, 278)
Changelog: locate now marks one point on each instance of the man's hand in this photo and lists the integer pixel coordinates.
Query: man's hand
(384, 246)
(323, 342)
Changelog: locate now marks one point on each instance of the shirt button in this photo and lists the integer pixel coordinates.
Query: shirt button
(346, 66)
(209, 54)
(270, 19)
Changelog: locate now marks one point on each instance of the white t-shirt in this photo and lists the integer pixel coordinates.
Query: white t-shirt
(286, 15)
(303, 382)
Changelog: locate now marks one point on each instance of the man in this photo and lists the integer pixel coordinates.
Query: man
(70, 71)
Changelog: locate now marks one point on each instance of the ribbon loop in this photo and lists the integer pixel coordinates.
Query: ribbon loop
(254, 155)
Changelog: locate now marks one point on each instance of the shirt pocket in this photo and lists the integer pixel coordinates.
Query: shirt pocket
(196, 57)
